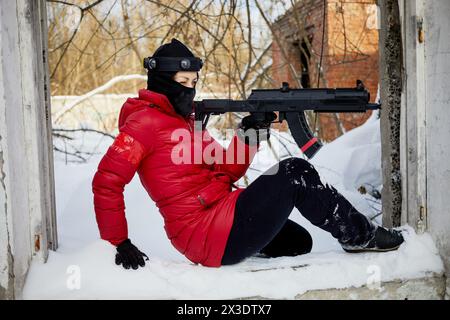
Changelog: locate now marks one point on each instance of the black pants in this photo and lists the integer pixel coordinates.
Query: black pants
(261, 214)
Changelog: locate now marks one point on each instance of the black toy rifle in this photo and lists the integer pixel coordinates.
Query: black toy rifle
(291, 105)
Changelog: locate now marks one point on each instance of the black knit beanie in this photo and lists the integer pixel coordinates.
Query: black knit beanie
(162, 81)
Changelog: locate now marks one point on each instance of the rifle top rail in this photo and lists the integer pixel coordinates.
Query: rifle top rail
(317, 99)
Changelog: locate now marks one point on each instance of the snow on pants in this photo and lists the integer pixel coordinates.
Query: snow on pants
(261, 214)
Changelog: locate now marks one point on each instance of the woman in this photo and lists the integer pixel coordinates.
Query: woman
(204, 218)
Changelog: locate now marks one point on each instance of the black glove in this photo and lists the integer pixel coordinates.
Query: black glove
(260, 126)
(129, 256)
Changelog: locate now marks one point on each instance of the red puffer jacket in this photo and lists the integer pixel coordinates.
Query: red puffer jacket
(195, 198)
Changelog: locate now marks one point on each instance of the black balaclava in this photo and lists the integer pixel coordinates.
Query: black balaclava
(180, 97)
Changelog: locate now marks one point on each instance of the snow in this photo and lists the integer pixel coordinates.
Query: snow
(83, 266)
(270, 278)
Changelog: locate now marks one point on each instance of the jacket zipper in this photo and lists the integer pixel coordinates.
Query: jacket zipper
(189, 124)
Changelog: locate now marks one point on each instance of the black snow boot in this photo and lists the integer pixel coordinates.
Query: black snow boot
(382, 241)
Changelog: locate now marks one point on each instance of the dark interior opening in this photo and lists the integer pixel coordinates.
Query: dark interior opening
(305, 55)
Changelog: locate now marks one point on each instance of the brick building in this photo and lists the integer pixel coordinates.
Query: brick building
(347, 45)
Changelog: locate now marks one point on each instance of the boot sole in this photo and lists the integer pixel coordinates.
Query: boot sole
(370, 250)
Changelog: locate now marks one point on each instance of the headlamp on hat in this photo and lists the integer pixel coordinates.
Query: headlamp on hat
(173, 63)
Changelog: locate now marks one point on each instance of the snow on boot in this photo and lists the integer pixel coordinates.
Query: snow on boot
(382, 241)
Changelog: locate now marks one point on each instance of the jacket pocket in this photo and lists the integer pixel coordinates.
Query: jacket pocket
(213, 192)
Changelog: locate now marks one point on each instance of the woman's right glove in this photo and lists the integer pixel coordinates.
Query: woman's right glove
(253, 128)
(129, 256)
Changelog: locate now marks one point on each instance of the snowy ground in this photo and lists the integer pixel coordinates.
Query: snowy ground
(83, 266)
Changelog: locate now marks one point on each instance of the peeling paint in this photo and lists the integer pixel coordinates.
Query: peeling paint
(391, 91)
(8, 292)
